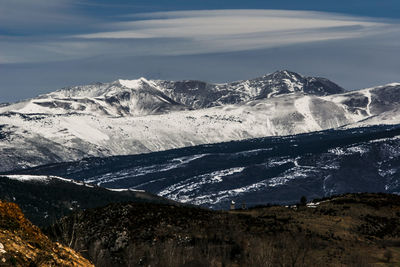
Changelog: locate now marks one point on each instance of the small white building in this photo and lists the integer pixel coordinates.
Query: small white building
(233, 205)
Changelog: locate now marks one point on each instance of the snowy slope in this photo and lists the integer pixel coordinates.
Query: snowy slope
(119, 98)
(30, 137)
(256, 171)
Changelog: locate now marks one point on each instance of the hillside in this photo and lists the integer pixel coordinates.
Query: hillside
(44, 199)
(23, 244)
(352, 230)
(275, 170)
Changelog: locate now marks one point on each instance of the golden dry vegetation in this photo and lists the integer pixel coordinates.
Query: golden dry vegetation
(23, 244)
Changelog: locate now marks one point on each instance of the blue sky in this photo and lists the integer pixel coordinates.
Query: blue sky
(49, 44)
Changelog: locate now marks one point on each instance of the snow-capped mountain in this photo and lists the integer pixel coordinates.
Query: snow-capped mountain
(197, 94)
(119, 98)
(144, 97)
(140, 116)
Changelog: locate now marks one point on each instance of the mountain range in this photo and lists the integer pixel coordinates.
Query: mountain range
(128, 117)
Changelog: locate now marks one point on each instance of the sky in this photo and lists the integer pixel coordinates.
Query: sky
(49, 44)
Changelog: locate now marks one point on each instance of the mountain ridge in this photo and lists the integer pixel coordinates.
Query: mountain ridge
(144, 97)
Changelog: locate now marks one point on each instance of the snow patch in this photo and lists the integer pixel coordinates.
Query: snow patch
(183, 190)
(43, 179)
(29, 178)
(124, 190)
(367, 93)
(302, 105)
(219, 175)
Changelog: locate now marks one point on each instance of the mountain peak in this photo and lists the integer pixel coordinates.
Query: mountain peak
(284, 82)
(133, 84)
(285, 72)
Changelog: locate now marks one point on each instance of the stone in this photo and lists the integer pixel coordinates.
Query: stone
(2, 251)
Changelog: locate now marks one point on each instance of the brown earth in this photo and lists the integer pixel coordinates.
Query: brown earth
(23, 244)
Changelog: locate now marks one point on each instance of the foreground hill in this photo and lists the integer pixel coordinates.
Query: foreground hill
(256, 171)
(141, 116)
(352, 230)
(23, 244)
(44, 199)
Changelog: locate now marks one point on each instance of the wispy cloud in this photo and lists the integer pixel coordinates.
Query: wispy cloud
(232, 30)
(195, 24)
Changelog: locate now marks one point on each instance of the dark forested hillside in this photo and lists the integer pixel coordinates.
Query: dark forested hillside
(45, 199)
(348, 230)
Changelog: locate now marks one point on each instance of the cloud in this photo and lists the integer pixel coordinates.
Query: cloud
(181, 33)
(31, 17)
(195, 24)
(212, 31)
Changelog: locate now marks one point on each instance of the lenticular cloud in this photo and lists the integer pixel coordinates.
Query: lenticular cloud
(232, 30)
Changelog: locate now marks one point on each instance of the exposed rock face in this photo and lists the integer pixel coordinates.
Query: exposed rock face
(23, 244)
(198, 94)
